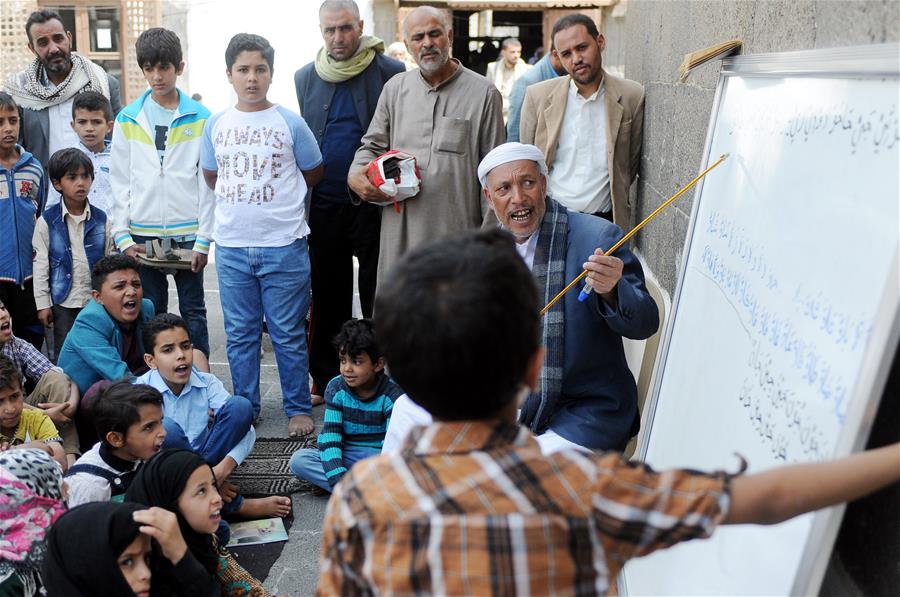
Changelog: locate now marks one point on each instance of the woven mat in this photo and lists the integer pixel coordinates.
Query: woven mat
(266, 470)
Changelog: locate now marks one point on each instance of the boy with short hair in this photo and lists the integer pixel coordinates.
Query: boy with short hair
(69, 238)
(261, 158)
(473, 502)
(129, 422)
(105, 340)
(23, 188)
(22, 427)
(92, 120)
(358, 405)
(160, 198)
(200, 414)
(53, 392)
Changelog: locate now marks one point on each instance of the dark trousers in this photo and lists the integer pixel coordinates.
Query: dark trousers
(338, 232)
(191, 298)
(19, 301)
(63, 320)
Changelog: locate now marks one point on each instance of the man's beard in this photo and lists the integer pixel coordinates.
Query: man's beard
(58, 67)
(430, 68)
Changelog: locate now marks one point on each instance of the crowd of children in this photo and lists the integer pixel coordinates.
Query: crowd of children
(147, 437)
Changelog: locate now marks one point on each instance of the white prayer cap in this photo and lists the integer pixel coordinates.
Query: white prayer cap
(510, 152)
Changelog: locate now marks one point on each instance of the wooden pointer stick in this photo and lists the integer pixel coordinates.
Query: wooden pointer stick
(634, 230)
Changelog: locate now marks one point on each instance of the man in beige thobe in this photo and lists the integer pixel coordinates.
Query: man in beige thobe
(449, 118)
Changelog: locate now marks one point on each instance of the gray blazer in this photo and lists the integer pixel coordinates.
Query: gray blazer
(34, 133)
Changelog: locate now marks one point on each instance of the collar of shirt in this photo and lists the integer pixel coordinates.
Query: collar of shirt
(460, 437)
(574, 95)
(445, 82)
(87, 150)
(155, 380)
(120, 464)
(526, 250)
(86, 215)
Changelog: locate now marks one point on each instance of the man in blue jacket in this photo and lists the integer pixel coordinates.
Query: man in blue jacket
(587, 397)
(338, 93)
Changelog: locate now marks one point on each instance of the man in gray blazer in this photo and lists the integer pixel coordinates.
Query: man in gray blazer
(589, 125)
(46, 88)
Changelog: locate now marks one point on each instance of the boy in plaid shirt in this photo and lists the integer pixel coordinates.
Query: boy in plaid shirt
(471, 506)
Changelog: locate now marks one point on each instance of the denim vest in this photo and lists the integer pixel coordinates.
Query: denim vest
(61, 248)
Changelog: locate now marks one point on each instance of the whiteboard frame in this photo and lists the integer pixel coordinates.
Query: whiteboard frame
(882, 60)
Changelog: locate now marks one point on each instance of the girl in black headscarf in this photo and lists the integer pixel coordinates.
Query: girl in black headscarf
(97, 550)
(181, 482)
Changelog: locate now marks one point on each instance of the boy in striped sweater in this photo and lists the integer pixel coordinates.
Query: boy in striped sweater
(358, 405)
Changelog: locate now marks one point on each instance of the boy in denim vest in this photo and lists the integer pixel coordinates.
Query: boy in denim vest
(69, 238)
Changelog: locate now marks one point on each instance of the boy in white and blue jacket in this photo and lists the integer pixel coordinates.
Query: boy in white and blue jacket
(158, 188)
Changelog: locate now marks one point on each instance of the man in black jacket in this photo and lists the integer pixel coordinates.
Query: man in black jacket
(337, 94)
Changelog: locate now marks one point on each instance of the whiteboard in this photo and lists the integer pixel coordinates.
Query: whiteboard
(785, 317)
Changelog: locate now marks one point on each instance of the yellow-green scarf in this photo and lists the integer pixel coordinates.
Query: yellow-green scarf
(332, 71)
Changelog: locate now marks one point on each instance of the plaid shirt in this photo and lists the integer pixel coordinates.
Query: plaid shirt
(30, 361)
(475, 509)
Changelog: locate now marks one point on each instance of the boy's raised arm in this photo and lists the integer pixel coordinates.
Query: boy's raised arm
(779, 494)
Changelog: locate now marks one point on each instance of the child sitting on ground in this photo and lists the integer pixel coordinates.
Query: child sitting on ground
(22, 427)
(200, 414)
(69, 238)
(53, 392)
(98, 549)
(129, 423)
(358, 405)
(180, 482)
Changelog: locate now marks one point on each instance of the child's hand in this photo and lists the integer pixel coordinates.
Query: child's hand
(34, 446)
(228, 491)
(4, 444)
(56, 412)
(45, 316)
(210, 418)
(135, 250)
(162, 525)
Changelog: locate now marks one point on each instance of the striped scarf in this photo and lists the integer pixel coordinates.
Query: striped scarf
(549, 270)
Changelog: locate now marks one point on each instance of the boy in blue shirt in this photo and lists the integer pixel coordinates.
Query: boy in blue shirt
(92, 119)
(23, 191)
(358, 405)
(260, 159)
(200, 414)
(159, 193)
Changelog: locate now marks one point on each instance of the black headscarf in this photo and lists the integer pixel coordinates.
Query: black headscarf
(160, 482)
(82, 549)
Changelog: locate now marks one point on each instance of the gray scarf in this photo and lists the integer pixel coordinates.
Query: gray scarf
(549, 270)
(28, 89)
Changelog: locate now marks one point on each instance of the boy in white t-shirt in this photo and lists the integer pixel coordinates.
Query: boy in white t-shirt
(260, 159)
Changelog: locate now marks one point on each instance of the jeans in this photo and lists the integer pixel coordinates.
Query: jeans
(307, 464)
(229, 427)
(191, 298)
(270, 281)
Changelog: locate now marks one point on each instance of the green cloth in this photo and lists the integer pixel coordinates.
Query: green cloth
(334, 71)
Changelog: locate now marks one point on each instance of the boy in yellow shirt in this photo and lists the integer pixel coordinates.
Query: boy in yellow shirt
(24, 427)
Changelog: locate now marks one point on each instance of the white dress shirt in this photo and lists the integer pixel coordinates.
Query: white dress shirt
(580, 175)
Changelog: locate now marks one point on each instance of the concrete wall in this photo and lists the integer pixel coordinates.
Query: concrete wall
(648, 41)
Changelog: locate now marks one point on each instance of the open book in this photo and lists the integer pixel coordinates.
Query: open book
(695, 59)
(256, 532)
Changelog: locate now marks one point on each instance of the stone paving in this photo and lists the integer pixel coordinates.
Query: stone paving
(296, 571)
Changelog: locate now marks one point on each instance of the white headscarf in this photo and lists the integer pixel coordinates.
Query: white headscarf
(509, 152)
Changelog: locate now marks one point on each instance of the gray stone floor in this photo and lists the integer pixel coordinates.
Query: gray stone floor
(296, 571)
